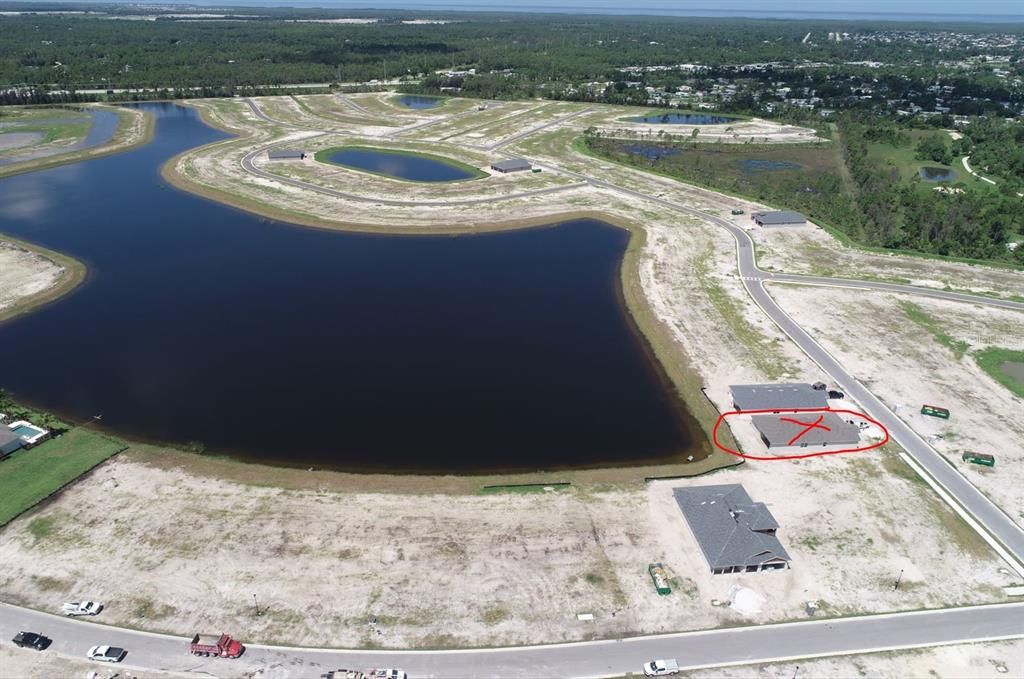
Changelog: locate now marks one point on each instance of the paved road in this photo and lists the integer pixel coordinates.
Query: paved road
(994, 520)
(995, 523)
(535, 130)
(741, 645)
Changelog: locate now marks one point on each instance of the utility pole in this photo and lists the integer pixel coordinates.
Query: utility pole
(899, 577)
(256, 605)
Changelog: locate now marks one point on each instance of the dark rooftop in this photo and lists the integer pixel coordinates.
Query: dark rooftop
(728, 526)
(777, 396)
(779, 430)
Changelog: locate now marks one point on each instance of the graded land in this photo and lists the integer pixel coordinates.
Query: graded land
(426, 570)
(59, 133)
(31, 276)
(424, 565)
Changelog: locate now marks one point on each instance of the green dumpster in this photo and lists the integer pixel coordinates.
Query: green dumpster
(660, 578)
(983, 459)
(935, 411)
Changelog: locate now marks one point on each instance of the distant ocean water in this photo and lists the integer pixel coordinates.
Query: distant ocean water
(861, 9)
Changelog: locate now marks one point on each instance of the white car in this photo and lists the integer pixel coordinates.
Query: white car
(660, 668)
(106, 653)
(82, 608)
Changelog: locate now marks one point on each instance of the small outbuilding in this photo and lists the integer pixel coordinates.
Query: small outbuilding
(781, 218)
(286, 154)
(736, 534)
(512, 165)
(777, 397)
(806, 430)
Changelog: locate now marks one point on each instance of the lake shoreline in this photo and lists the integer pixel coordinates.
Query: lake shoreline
(73, 274)
(134, 129)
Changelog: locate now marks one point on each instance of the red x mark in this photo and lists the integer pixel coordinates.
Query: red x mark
(806, 425)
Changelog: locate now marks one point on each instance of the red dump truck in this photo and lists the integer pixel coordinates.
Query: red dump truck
(222, 646)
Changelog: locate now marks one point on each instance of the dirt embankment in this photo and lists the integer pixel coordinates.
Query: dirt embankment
(26, 277)
(168, 549)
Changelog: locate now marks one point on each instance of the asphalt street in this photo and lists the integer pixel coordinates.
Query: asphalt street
(740, 645)
(603, 658)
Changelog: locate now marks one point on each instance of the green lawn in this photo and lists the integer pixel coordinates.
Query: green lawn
(992, 361)
(30, 476)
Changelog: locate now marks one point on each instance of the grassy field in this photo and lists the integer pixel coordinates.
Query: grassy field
(30, 476)
(918, 315)
(993, 360)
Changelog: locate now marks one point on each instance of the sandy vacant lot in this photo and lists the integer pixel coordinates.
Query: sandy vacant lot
(905, 366)
(24, 273)
(363, 569)
(978, 661)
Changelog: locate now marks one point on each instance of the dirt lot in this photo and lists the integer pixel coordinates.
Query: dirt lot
(905, 366)
(432, 571)
(978, 661)
(23, 274)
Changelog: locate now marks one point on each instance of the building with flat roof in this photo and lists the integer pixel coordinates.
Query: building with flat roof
(513, 165)
(777, 397)
(736, 534)
(780, 218)
(286, 154)
(806, 430)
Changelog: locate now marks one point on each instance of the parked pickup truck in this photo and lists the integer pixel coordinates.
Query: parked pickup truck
(660, 668)
(219, 646)
(82, 608)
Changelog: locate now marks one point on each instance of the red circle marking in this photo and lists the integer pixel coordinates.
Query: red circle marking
(721, 418)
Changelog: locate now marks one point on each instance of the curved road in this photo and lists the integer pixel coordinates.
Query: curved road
(603, 658)
(991, 522)
(711, 648)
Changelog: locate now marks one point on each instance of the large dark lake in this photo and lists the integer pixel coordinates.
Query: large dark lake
(275, 343)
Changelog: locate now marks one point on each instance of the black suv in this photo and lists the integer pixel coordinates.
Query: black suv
(32, 640)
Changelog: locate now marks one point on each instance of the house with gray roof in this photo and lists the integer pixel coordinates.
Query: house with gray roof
(736, 534)
(806, 430)
(512, 165)
(780, 218)
(777, 397)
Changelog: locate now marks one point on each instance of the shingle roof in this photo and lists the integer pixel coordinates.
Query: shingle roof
(777, 396)
(724, 520)
(779, 430)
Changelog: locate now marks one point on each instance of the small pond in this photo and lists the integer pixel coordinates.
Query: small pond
(937, 174)
(418, 101)
(682, 119)
(762, 165)
(649, 151)
(399, 165)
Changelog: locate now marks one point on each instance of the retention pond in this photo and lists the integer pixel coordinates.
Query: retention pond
(682, 119)
(400, 165)
(280, 344)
